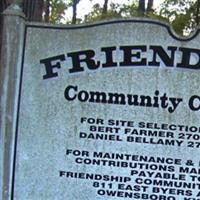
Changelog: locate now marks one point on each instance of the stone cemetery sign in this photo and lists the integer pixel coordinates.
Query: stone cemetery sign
(109, 110)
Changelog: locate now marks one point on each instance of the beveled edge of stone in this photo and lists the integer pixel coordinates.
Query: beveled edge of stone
(14, 10)
(165, 25)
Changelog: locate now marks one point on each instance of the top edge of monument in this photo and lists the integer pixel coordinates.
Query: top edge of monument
(133, 21)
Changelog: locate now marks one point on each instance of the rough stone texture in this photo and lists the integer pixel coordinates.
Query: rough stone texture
(48, 124)
(11, 52)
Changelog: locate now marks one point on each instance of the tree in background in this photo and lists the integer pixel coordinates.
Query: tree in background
(33, 10)
(150, 6)
(107, 11)
(74, 4)
(105, 8)
(197, 12)
(54, 11)
(40, 10)
(138, 9)
(4, 4)
(141, 7)
(184, 15)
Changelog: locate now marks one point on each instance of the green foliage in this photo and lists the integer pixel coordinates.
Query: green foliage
(181, 14)
(130, 10)
(57, 11)
(115, 11)
(71, 2)
(97, 13)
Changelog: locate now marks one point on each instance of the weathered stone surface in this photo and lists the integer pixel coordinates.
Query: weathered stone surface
(69, 77)
(10, 65)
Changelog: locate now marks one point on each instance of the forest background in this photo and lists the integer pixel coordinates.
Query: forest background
(183, 15)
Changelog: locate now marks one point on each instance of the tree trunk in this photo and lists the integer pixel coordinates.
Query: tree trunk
(47, 11)
(150, 6)
(141, 7)
(33, 9)
(74, 7)
(3, 5)
(198, 12)
(105, 8)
